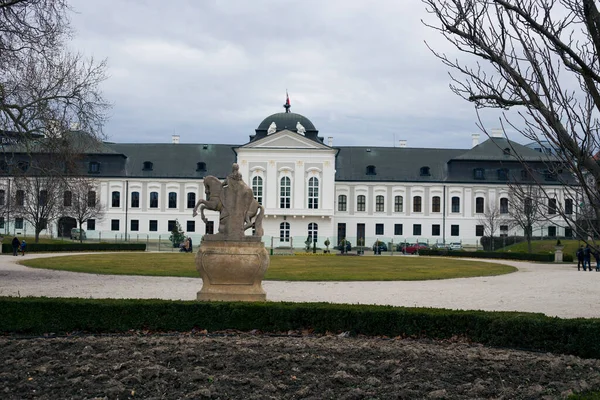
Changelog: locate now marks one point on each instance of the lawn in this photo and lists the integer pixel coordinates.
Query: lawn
(544, 246)
(282, 268)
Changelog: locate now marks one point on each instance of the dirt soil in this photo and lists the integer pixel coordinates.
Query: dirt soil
(247, 366)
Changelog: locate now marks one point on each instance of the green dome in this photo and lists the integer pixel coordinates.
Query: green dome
(286, 121)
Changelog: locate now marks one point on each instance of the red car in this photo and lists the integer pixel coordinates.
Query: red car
(412, 248)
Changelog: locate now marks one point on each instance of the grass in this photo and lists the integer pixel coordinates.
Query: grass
(288, 268)
(544, 246)
(31, 239)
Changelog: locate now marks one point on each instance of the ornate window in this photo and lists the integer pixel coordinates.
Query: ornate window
(361, 202)
(257, 189)
(342, 202)
(313, 232)
(313, 192)
(398, 204)
(135, 199)
(191, 200)
(284, 232)
(116, 199)
(479, 205)
(417, 204)
(379, 203)
(153, 199)
(456, 204)
(285, 192)
(435, 204)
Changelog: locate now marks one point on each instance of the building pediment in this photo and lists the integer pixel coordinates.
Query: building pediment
(286, 140)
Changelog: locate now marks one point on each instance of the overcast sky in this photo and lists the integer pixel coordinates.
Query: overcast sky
(212, 70)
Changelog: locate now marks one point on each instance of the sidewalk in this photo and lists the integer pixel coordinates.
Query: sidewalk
(553, 289)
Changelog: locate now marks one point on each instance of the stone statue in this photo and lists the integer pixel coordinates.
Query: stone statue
(300, 129)
(272, 128)
(235, 202)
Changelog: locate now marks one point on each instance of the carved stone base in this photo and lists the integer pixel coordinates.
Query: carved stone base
(232, 270)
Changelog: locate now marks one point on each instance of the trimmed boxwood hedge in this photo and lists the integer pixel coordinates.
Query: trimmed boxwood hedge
(507, 329)
(53, 247)
(489, 254)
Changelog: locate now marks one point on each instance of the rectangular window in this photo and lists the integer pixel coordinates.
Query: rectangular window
(379, 204)
(435, 230)
(568, 206)
(398, 204)
(342, 202)
(20, 197)
(417, 206)
(504, 230)
(67, 198)
(435, 204)
(114, 224)
(361, 203)
(478, 230)
(43, 198)
(171, 225)
(568, 232)
(479, 205)
(153, 199)
(2, 197)
(379, 229)
(91, 198)
(454, 230)
(172, 200)
(18, 223)
(1, 222)
(417, 229)
(190, 226)
(191, 200)
(455, 204)
(135, 199)
(153, 227)
(116, 199)
(397, 229)
(91, 224)
(210, 227)
(551, 231)
(551, 206)
(135, 225)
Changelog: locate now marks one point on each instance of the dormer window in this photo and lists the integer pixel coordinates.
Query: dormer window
(94, 167)
(3, 166)
(201, 166)
(506, 151)
(550, 175)
(371, 170)
(425, 171)
(478, 173)
(23, 165)
(503, 174)
(147, 166)
(525, 175)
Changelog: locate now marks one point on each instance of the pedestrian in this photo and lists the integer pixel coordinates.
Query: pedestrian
(587, 257)
(579, 256)
(23, 244)
(190, 240)
(597, 257)
(16, 244)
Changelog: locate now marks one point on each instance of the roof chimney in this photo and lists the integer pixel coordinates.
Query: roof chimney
(330, 141)
(402, 143)
(497, 133)
(475, 137)
(175, 139)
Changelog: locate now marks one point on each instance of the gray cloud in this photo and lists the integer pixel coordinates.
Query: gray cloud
(211, 71)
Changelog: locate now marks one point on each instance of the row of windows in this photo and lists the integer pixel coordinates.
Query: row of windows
(502, 174)
(135, 199)
(43, 198)
(424, 171)
(285, 191)
(284, 232)
(94, 167)
(153, 226)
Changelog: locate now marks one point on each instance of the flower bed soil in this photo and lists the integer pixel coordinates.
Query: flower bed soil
(246, 366)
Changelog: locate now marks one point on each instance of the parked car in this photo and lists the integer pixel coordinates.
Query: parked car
(77, 234)
(455, 246)
(348, 246)
(412, 248)
(382, 246)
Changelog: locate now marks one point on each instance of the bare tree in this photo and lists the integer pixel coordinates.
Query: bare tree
(81, 201)
(44, 88)
(539, 58)
(526, 209)
(491, 220)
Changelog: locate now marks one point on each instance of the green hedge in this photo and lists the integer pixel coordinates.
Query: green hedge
(506, 329)
(489, 254)
(68, 246)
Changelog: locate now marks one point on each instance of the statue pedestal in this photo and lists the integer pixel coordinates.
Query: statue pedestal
(232, 270)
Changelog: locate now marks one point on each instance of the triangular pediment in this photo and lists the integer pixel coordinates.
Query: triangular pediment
(286, 139)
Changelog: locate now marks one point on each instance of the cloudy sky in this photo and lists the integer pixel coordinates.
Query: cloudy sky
(212, 70)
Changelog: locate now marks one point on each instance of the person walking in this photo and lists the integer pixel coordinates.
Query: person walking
(587, 257)
(597, 257)
(16, 244)
(190, 240)
(23, 245)
(579, 256)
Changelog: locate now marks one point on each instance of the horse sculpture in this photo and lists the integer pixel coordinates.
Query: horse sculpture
(235, 202)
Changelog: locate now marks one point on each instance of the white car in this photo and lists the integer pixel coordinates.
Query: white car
(455, 246)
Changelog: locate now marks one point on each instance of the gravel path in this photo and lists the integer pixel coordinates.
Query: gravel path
(553, 289)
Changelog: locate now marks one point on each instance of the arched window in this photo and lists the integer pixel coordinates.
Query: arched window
(417, 205)
(313, 232)
(172, 200)
(284, 232)
(257, 189)
(285, 193)
(479, 205)
(398, 204)
(456, 204)
(504, 205)
(379, 203)
(361, 201)
(191, 200)
(135, 199)
(153, 199)
(313, 192)
(342, 202)
(116, 199)
(435, 204)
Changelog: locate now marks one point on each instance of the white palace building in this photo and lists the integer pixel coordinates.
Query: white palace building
(307, 186)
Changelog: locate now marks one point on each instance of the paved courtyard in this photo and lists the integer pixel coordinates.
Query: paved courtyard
(553, 289)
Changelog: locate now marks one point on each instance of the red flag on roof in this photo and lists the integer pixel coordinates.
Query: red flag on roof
(287, 98)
